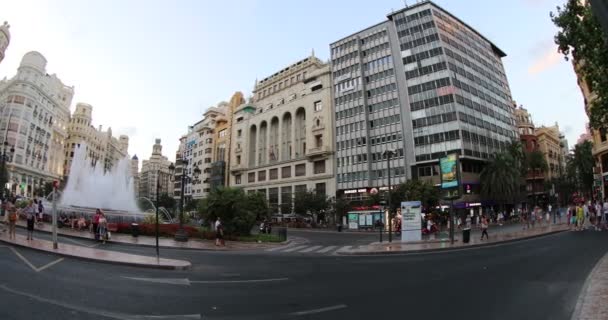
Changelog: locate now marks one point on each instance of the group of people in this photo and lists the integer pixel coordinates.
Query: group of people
(529, 218)
(595, 214)
(33, 212)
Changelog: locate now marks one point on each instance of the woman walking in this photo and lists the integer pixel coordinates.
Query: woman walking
(102, 227)
(484, 227)
(580, 217)
(30, 218)
(12, 220)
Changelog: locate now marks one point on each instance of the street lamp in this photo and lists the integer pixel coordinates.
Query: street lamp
(181, 234)
(4, 157)
(388, 154)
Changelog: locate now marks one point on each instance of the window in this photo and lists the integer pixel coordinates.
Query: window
(262, 175)
(273, 174)
(319, 140)
(300, 189)
(223, 133)
(320, 188)
(208, 150)
(300, 170)
(251, 177)
(238, 159)
(286, 172)
(237, 179)
(239, 133)
(319, 166)
(207, 160)
(318, 106)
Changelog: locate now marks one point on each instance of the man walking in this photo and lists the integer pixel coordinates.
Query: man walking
(484, 227)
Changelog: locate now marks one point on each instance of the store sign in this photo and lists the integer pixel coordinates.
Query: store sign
(449, 171)
(410, 221)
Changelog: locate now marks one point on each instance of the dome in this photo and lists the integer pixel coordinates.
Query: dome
(34, 59)
(135, 157)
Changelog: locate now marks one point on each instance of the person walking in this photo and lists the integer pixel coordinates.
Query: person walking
(580, 217)
(484, 227)
(12, 220)
(219, 232)
(95, 223)
(102, 225)
(30, 218)
(40, 211)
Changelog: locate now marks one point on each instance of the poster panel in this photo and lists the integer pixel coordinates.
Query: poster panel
(410, 221)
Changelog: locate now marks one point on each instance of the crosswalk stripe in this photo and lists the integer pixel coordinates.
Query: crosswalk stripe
(327, 249)
(345, 248)
(294, 249)
(313, 248)
(277, 248)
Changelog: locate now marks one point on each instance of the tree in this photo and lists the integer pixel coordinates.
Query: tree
(166, 201)
(237, 210)
(580, 36)
(310, 202)
(412, 190)
(340, 207)
(536, 162)
(500, 178)
(580, 166)
(516, 150)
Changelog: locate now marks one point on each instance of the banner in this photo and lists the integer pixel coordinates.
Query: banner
(410, 221)
(449, 171)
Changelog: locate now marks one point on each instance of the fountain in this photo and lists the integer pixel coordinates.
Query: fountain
(91, 187)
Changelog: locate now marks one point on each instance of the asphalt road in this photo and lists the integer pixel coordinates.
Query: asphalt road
(532, 279)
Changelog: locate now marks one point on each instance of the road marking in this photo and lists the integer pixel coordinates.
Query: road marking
(278, 248)
(345, 248)
(96, 312)
(313, 248)
(294, 248)
(187, 282)
(313, 311)
(23, 258)
(327, 249)
(50, 264)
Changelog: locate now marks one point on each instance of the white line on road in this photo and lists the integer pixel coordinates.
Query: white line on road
(187, 282)
(313, 248)
(327, 249)
(294, 249)
(313, 311)
(345, 248)
(50, 264)
(23, 258)
(277, 248)
(96, 312)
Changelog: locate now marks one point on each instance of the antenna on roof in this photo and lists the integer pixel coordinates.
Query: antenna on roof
(405, 3)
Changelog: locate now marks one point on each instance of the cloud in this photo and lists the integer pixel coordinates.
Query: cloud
(547, 61)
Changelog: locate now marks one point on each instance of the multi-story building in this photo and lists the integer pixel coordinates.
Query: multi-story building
(102, 148)
(283, 138)
(529, 141)
(549, 143)
(5, 39)
(222, 142)
(424, 84)
(135, 175)
(153, 171)
(35, 112)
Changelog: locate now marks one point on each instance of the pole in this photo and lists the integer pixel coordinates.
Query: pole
(390, 220)
(157, 192)
(452, 221)
(380, 231)
(55, 217)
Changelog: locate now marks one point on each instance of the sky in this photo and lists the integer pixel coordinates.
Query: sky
(151, 68)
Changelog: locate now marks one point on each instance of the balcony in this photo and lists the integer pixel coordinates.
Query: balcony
(236, 168)
(317, 153)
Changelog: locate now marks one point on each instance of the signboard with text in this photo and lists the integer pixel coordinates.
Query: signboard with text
(410, 221)
(450, 176)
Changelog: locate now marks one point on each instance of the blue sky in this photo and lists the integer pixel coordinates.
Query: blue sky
(150, 68)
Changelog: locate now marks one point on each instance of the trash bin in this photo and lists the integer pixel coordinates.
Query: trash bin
(339, 227)
(466, 235)
(134, 229)
(282, 233)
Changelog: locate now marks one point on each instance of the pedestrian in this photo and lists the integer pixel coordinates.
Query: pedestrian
(598, 215)
(30, 218)
(40, 210)
(580, 217)
(548, 216)
(605, 211)
(102, 225)
(219, 232)
(12, 220)
(501, 217)
(484, 227)
(533, 217)
(95, 223)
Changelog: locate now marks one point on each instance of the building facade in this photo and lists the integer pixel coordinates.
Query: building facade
(529, 141)
(424, 84)
(155, 170)
(35, 113)
(5, 39)
(283, 138)
(102, 148)
(222, 142)
(550, 144)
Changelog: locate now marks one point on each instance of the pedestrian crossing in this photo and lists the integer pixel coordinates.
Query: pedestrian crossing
(308, 249)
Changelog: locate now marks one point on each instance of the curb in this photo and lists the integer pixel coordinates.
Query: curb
(153, 245)
(583, 295)
(475, 246)
(185, 266)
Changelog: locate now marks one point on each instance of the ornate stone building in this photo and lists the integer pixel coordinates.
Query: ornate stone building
(102, 147)
(35, 109)
(5, 39)
(283, 139)
(153, 170)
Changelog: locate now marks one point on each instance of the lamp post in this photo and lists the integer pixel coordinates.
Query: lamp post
(181, 234)
(389, 154)
(4, 158)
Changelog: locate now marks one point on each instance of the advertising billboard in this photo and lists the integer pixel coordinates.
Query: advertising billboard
(449, 171)
(411, 227)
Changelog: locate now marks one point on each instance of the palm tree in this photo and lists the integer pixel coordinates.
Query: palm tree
(500, 179)
(516, 150)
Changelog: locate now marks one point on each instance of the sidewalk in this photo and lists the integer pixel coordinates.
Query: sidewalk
(397, 247)
(594, 294)
(97, 255)
(192, 244)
